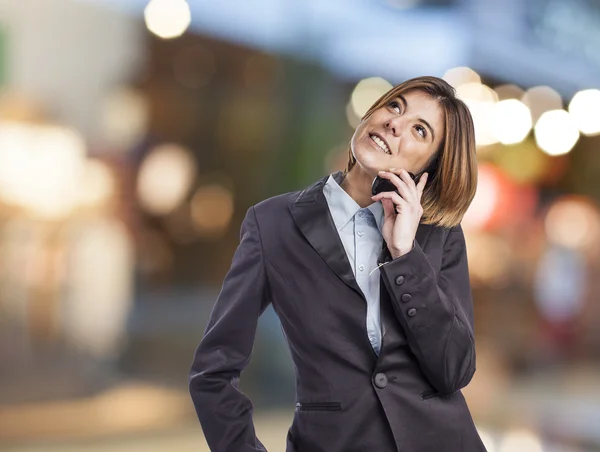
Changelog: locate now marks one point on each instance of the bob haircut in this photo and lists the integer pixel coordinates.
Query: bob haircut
(452, 169)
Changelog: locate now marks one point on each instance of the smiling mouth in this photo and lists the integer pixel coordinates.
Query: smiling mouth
(380, 143)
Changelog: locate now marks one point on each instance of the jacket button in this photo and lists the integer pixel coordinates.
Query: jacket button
(381, 380)
(406, 297)
(399, 280)
(411, 312)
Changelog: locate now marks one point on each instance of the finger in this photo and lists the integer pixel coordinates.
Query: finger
(389, 208)
(400, 184)
(393, 196)
(410, 183)
(421, 184)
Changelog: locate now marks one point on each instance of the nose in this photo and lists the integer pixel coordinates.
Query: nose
(394, 126)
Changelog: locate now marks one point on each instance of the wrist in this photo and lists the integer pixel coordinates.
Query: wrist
(399, 251)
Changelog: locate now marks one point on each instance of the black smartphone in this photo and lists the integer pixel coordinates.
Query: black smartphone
(380, 184)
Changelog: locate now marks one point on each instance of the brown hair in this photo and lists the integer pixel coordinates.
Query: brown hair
(452, 178)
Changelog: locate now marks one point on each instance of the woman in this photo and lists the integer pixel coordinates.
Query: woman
(372, 292)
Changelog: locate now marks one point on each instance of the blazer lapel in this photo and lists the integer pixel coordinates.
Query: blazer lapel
(312, 216)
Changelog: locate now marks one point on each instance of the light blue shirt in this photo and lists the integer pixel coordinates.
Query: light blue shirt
(360, 232)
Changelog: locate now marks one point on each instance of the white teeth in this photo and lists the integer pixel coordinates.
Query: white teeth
(380, 143)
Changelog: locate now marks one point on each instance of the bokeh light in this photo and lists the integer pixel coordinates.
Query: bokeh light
(585, 111)
(480, 99)
(489, 258)
(99, 184)
(510, 121)
(461, 75)
(167, 18)
(212, 210)
(541, 99)
(165, 178)
(509, 91)
(520, 441)
(124, 118)
(366, 92)
(41, 167)
(573, 222)
(556, 132)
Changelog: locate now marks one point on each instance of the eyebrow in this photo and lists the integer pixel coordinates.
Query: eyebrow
(405, 104)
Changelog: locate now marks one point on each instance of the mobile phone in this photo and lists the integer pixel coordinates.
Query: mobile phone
(380, 184)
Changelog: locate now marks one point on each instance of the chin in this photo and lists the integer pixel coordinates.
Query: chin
(371, 161)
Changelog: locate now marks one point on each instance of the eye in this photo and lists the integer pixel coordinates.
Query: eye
(395, 105)
(422, 131)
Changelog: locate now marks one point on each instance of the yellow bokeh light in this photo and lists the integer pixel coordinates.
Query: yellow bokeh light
(167, 18)
(165, 178)
(212, 209)
(366, 92)
(510, 121)
(556, 132)
(461, 75)
(41, 167)
(585, 110)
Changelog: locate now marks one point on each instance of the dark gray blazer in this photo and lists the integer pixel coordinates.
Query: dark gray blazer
(407, 399)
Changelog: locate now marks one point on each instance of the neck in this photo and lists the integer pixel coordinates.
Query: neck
(358, 185)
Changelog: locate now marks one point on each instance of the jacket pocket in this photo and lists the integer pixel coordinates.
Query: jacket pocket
(431, 393)
(318, 406)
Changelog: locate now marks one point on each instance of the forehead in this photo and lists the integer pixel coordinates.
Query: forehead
(421, 103)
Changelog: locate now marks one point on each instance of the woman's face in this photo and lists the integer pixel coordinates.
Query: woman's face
(405, 133)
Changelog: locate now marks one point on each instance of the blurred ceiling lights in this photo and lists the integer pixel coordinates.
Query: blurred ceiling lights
(510, 121)
(585, 110)
(165, 178)
(41, 168)
(556, 132)
(460, 75)
(167, 19)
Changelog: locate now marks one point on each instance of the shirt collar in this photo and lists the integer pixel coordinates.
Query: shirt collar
(343, 207)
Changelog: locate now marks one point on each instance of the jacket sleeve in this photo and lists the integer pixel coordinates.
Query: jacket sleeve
(225, 412)
(436, 311)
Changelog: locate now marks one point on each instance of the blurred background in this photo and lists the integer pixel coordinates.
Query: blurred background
(134, 135)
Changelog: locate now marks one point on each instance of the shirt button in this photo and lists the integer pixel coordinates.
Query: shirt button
(361, 213)
(360, 233)
(361, 267)
(411, 312)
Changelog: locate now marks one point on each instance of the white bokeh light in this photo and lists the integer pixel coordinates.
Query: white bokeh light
(556, 132)
(510, 121)
(480, 99)
(165, 178)
(585, 110)
(167, 19)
